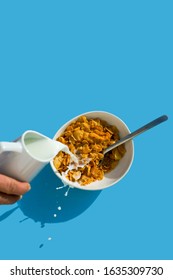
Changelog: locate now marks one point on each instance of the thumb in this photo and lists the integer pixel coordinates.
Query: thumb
(11, 186)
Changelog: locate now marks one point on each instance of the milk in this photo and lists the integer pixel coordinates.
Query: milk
(45, 148)
(40, 148)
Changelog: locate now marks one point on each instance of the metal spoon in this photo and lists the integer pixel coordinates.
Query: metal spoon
(136, 133)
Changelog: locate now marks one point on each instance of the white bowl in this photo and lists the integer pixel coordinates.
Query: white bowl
(124, 164)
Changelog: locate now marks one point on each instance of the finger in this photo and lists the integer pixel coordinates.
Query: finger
(11, 186)
(8, 199)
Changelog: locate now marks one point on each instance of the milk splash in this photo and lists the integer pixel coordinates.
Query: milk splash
(66, 193)
(59, 208)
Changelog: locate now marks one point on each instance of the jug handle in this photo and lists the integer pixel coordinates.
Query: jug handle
(10, 147)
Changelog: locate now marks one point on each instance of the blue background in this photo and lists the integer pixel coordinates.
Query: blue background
(59, 59)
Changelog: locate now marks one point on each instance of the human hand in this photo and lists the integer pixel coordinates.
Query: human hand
(11, 190)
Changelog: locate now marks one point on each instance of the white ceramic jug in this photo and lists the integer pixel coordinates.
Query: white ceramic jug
(26, 156)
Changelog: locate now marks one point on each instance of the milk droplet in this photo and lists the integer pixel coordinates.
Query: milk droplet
(55, 215)
(49, 238)
(66, 193)
(59, 208)
(61, 187)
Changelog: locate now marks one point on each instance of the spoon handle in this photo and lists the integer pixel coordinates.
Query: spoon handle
(137, 132)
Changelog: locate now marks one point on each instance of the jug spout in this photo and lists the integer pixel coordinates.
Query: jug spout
(42, 148)
(39, 146)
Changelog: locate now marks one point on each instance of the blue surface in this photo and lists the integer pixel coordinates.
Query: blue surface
(59, 59)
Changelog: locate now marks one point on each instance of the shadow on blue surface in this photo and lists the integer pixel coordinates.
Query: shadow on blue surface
(7, 214)
(45, 204)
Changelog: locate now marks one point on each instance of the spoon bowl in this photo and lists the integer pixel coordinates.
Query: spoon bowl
(137, 132)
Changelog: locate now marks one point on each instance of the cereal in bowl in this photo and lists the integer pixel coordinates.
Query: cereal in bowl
(87, 139)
